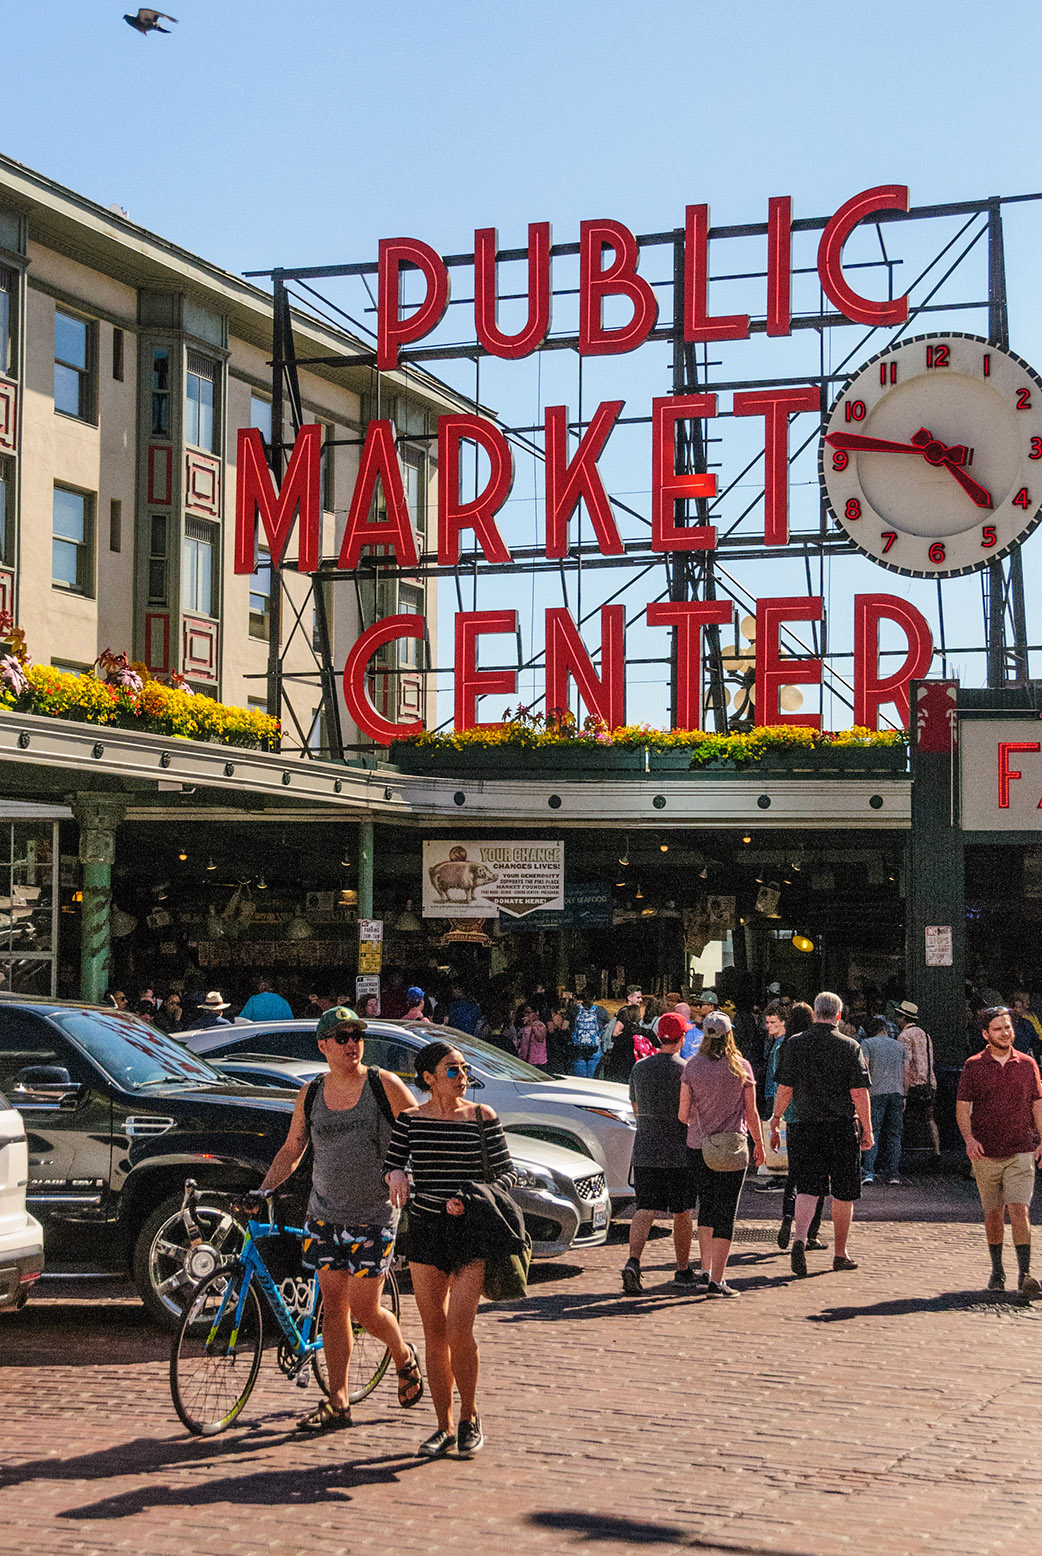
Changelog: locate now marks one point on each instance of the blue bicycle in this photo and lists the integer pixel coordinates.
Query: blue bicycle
(217, 1352)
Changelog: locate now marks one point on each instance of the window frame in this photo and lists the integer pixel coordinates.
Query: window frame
(8, 321)
(205, 535)
(85, 553)
(86, 396)
(203, 370)
(260, 621)
(7, 474)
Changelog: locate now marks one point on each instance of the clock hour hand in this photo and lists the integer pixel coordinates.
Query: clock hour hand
(980, 496)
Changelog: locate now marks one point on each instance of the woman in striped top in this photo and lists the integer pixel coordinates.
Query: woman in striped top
(441, 1140)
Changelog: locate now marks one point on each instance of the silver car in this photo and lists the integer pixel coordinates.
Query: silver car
(593, 1117)
(561, 1194)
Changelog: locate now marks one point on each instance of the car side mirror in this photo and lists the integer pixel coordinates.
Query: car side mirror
(45, 1086)
(474, 1084)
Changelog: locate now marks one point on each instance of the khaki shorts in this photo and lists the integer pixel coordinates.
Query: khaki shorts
(1005, 1180)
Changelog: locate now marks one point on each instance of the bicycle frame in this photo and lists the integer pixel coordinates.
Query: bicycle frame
(251, 1263)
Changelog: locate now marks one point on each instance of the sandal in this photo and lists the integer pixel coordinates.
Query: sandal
(410, 1381)
(326, 1418)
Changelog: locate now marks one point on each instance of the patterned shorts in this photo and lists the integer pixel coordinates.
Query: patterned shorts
(360, 1250)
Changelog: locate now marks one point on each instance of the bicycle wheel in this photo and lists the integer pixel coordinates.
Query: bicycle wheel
(369, 1359)
(212, 1368)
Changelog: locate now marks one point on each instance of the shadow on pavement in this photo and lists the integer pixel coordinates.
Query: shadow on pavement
(148, 1457)
(121, 1331)
(605, 1528)
(999, 1302)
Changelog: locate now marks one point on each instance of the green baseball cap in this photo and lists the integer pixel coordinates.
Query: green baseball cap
(339, 1016)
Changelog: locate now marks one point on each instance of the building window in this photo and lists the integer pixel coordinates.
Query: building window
(6, 511)
(410, 603)
(115, 524)
(72, 546)
(117, 355)
(257, 704)
(260, 417)
(328, 455)
(198, 591)
(414, 473)
(161, 392)
(158, 550)
(6, 320)
(260, 596)
(72, 366)
(200, 398)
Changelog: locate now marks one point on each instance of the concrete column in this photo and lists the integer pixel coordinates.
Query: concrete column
(98, 815)
(365, 867)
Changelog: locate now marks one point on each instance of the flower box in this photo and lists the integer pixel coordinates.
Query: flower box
(572, 760)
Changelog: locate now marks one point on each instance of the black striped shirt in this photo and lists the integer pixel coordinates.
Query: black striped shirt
(445, 1155)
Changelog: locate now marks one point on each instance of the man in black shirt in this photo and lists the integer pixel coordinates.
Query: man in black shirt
(825, 1074)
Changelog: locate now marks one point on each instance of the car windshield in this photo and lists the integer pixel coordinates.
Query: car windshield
(493, 1061)
(134, 1054)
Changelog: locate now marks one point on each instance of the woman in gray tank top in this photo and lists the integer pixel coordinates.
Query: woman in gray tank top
(350, 1228)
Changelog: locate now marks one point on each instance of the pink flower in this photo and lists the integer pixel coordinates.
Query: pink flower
(12, 675)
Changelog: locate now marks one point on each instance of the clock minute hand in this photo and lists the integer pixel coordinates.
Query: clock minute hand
(859, 443)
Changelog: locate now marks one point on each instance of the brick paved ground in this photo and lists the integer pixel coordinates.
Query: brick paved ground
(895, 1410)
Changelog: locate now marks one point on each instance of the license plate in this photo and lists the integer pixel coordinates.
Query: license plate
(600, 1217)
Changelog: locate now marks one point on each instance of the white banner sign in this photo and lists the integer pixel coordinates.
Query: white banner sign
(482, 880)
(1000, 761)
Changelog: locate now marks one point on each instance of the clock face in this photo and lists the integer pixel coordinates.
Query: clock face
(931, 457)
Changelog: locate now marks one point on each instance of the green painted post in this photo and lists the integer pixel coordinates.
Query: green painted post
(936, 891)
(365, 867)
(98, 815)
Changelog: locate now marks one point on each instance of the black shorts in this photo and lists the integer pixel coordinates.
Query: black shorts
(825, 1157)
(666, 1190)
(718, 1195)
(441, 1240)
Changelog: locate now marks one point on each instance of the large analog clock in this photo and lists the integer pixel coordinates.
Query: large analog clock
(931, 457)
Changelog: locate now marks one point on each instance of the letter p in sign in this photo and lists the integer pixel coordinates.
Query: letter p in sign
(1007, 773)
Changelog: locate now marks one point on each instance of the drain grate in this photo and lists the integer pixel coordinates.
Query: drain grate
(745, 1233)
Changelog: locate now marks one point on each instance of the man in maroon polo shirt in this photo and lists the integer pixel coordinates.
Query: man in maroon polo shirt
(999, 1113)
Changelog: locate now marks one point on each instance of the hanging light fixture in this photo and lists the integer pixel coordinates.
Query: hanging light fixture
(663, 848)
(624, 857)
(182, 852)
(640, 895)
(210, 864)
(802, 943)
(262, 884)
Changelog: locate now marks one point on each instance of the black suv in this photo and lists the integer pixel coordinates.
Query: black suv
(117, 1116)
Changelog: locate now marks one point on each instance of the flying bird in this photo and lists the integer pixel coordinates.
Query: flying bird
(147, 21)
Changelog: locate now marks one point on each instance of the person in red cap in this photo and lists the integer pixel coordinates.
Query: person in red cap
(661, 1176)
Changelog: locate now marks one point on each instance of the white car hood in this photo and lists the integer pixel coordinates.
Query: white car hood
(574, 1089)
(540, 1155)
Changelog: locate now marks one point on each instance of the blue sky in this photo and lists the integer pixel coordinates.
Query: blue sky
(259, 133)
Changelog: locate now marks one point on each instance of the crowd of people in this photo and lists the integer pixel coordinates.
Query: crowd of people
(698, 1130)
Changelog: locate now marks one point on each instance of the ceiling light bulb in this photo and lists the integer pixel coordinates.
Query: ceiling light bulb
(210, 865)
(640, 895)
(663, 848)
(747, 838)
(182, 853)
(262, 884)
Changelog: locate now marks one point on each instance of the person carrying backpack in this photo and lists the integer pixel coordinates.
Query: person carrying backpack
(586, 1039)
(347, 1117)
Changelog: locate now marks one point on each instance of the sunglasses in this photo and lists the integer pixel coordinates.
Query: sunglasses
(343, 1037)
(454, 1071)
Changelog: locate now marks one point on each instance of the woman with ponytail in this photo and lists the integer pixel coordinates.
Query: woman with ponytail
(718, 1105)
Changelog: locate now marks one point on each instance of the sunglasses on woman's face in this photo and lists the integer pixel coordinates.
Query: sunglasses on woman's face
(344, 1038)
(454, 1071)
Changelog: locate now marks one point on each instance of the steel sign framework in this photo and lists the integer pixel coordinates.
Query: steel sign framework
(956, 253)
